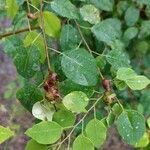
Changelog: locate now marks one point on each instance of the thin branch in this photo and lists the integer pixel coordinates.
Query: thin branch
(17, 32)
(82, 119)
(81, 34)
(44, 36)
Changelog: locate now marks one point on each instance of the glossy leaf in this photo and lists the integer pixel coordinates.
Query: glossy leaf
(76, 101)
(108, 30)
(80, 67)
(45, 132)
(43, 112)
(82, 142)
(52, 24)
(96, 132)
(131, 126)
(65, 8)
(5, 133)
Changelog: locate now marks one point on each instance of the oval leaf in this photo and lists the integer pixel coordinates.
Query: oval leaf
(52, 24)
(76, 101)
(45, 132)
(42, 112)
(138, 82)
(80, 67)
(82, 142)
(96, 132)
(69, 38)
(131, 126)
(64, 118)
(33, 145)
(108, 30)
(131, 16)
(27, 61)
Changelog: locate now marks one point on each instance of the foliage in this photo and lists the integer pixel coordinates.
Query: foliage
(84, 66)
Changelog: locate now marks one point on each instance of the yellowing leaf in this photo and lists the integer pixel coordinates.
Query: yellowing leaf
(12, 8)
(5, 133)
(52, 24)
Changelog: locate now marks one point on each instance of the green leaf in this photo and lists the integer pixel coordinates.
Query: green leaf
(28, 96)
(125, 73)
(118, 59)
(82, 142)
(148, 122)
(131, 16)
(138, 82)
(110, 119)
(122, 7)
(106, 5)
(107, 30)
(45, 132)
(65, 8)
(52, 24)
(96, 132)
(130, 33)
(90, 13)
(27, 61)
(68, 86)
(5, 133)
(101, 61)
(144, 141)
(12, 8)
(33, 145)
(144, 29)
(34, 38)
(121, 85)
(76, 101)
(142, 47)
(11, 44)
(64, 118)
(69, 38)
(43, 111)
(145, 101)
(131, 126)
(117, 109)
(80, 67)
(140, 2)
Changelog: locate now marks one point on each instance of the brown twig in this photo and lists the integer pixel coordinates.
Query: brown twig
(18, 31)
(82, 37)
